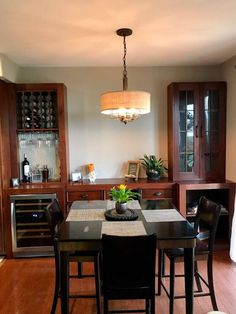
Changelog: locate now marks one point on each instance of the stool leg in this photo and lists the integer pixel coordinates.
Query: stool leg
(153, 304)
(57, 283)
(160, 270)
(147, 306)
(105, 304)
(210, 282)
(97, 283)
(197, 279)
(172, 285)
(80, 269)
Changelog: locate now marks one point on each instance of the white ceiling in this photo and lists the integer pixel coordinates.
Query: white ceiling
(82, 33)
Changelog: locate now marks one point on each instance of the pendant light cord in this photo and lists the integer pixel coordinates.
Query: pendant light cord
(125, 78)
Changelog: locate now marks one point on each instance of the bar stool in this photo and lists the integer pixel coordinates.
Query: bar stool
(206, 219)
(55, 217)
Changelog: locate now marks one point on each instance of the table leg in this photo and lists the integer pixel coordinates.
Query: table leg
(189, 275)
(64, 280)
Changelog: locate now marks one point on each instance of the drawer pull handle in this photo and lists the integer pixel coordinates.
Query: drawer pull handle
(158, 193)
(84, 196)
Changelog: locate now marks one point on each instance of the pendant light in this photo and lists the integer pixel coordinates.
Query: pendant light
(125, 105)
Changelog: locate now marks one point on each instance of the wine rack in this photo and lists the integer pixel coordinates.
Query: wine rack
(30, 230)
(36, 110)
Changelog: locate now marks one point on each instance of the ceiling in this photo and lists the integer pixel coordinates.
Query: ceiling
(83, 33)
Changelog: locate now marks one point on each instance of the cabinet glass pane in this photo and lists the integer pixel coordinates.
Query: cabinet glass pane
(211, 123)
(182, 144)
(186, 134)
(182, 100)
(182, 121)
(186, 162)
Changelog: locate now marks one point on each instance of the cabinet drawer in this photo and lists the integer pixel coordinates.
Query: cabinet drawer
(84, 195)
(157, 194)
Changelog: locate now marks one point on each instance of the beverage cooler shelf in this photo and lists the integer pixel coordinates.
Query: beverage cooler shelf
(32, 224)
(32, 204)
(30, 230)
(30, 211)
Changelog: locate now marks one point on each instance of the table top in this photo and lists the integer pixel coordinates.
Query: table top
(180, 232)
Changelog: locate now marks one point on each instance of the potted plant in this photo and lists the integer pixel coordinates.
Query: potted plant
(155, 168)
(122, 195)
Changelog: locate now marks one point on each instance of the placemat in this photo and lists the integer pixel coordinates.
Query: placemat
(162, 215)
(91, 204)
(124, 228)
(85, 215)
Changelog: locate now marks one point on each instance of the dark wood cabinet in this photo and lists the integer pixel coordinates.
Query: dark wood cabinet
(33, 120)
(39, 130)
(161, 189)
(5, 168)
(197, 130)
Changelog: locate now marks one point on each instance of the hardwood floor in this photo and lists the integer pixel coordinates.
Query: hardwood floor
(26, 287)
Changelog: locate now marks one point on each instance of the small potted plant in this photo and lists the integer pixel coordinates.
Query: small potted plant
(155, 168)
(122, 195)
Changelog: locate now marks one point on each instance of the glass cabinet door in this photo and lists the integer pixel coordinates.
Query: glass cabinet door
(213, 132)
(196, 131)
(187, 132)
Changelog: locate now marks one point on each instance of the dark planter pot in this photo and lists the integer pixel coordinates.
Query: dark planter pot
(153, 175)
(121, 208)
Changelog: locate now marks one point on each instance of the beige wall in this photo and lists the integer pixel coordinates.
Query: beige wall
(8, 69)
(229, 75)
(108, 143)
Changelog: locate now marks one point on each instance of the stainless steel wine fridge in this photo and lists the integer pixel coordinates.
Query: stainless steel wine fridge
(29, 227)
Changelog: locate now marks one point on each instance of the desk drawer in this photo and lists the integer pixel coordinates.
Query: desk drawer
(84, 195)
(157, 194)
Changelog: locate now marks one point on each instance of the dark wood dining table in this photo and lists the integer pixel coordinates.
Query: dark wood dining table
(87, 235)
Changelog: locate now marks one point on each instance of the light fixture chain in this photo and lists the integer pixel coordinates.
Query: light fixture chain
(124, 58)
(125, 79)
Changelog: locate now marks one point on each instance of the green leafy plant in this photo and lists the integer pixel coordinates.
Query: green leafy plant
(121, 194)
(153, 165)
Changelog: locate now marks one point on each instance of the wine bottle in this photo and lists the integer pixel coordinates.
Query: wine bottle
(25, 170)
(45, 173)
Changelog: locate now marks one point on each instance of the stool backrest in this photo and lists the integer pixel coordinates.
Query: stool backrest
(207, 218)
(129, 262)
(54, 216)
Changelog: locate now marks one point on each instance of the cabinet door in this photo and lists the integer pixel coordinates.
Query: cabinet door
(196, 130)
(183, 131)
(213, 128)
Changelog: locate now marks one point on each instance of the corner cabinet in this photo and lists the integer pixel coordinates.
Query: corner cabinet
(197, 130)
(39, 130)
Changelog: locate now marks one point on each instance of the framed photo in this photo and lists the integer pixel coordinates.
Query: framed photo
(133, 169)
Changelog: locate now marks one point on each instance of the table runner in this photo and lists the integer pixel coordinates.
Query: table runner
(123, 228)
(162, 215)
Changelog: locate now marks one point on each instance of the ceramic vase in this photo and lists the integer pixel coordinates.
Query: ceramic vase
(121, 208)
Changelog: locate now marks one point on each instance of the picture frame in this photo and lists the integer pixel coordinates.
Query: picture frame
(133, 169)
